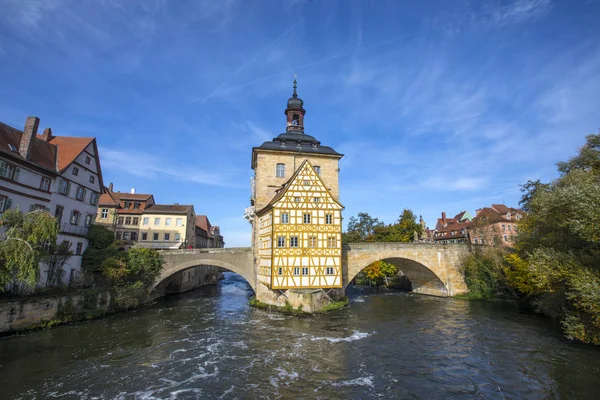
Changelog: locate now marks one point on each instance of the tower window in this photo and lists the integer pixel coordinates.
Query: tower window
(304, 270)
(285, 218)
(332, 241)
(328, 218)
(296, 271)
(295, 119)
(307, 218)
(280, 171)
(317, 169)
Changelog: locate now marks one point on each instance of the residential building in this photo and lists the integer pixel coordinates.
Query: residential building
(207, 236)
(295, 210)
(167, 226)
(60, 174)
(452, 230)
(497, 224)
(122, 212)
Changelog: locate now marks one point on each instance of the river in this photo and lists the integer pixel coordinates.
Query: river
(210, 344)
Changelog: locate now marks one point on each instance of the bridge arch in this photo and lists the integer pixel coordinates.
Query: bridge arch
(431, 268)
(423, 279)
(237, 260)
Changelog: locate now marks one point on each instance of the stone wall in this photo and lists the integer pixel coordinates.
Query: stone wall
(193, 278)
(28, 312)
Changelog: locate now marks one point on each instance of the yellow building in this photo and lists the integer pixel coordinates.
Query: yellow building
(167, 226)
(296, 213)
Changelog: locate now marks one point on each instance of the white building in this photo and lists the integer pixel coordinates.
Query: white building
(60, 174)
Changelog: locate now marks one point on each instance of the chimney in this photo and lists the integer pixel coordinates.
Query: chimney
(132, 190)
(47, 135)
(31, 127)
(444, 218)
(110, 187)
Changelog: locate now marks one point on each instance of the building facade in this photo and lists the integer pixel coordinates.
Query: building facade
(452, 230)
(207, 236)
(295, 210)
(121, 212)
(167, 226)
(59, 174)
(497, 224)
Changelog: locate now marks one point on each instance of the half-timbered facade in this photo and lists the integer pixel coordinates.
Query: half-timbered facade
(300, 235)
(295, 211)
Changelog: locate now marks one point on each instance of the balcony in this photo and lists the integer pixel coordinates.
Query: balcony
(69, 229)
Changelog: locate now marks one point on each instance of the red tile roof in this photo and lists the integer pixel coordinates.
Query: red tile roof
(42, 154)
(69, 148)
(203, 223)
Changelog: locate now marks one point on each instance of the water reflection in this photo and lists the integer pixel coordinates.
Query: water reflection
(210, 344)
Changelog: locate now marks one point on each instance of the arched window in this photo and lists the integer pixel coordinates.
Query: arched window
(280, 171)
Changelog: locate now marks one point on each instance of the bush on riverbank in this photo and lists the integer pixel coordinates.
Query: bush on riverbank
(556, 262)
(128, 272)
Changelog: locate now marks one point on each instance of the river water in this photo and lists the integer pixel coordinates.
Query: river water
(210, 344)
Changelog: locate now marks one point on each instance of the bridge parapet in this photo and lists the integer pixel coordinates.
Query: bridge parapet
(432, 268)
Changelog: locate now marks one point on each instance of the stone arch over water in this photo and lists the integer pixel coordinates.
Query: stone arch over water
(432, 268)
(238, 260)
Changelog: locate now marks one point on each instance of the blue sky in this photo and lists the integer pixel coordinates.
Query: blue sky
(437, 105)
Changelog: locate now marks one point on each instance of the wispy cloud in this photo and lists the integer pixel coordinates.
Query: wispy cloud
(149, 166)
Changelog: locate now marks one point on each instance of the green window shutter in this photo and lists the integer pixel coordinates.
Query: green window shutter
(17, 172)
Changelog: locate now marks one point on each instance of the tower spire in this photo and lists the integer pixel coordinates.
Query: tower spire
(295, 112)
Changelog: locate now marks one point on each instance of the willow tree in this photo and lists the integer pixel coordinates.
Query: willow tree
(22, 243)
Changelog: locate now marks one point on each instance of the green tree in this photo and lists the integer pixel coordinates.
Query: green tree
(361, 228)
(22, 244)
(401, 231)
(557, 259)
(55, 258)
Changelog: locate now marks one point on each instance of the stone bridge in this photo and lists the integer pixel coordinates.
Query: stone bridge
(235, 259)
(431, 268)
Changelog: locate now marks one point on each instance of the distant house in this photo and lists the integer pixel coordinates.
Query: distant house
(121, 212)
(452, 230)
(167, 227)
(497, 224)
(207, 236)
(59, 174)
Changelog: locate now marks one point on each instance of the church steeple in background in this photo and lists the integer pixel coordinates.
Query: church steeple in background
(295, 113)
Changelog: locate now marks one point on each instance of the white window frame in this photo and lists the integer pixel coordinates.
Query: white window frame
(45, 184)
(329, 219)
(104, 213)
(154, 236)
(64, 187)
(179, 222)
(146, 221)
(280, 170)
(296, 271)
(177, 236)
(281, 241)
(167, 237)
(317, 169)
(294, 241)
(285, 218)
(74, 219)
(167, 221)
(157, 221)
(304, 270)
(306, 218)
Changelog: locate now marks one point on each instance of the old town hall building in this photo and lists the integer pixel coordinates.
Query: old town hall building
(295, 211)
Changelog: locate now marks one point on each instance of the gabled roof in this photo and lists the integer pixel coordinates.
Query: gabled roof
(284, 188)
(106, 200)
(203, 223)
(42, 154)
(69, 148)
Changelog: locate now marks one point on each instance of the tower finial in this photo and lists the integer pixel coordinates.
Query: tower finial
(295, 94)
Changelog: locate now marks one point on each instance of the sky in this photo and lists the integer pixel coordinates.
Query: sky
(437, 105)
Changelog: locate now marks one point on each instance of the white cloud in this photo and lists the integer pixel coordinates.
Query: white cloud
(150, 166)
